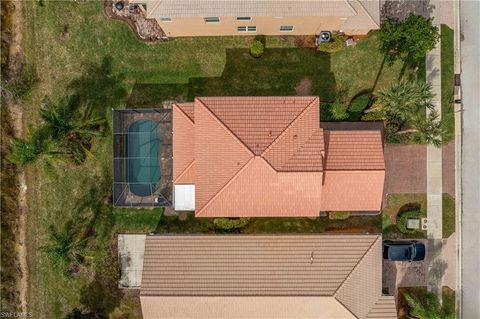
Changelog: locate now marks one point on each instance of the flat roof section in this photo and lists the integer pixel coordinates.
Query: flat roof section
(184, 197)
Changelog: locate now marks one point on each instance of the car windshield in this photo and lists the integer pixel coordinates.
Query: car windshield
(411, 252)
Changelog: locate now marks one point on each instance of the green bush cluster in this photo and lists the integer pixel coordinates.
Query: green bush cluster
(402, 221)
(337, 43)
(257, 49)
(229, 224)
(374, 115)
(358, 105)
(342, 215)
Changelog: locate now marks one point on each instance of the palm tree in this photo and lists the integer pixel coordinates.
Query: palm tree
(64, 248)
(30, 150)
(428, 306)
(68, 122)
(72, 126)
(403, 99)
(430, 130)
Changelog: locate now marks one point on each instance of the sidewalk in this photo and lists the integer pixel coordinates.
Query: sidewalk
(434, 167)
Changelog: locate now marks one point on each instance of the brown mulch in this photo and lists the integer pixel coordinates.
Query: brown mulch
(147, 30)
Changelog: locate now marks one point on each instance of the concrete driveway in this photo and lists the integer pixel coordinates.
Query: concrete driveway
(397, 274)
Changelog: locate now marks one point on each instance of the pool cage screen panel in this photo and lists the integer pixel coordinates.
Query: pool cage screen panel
(160, 194)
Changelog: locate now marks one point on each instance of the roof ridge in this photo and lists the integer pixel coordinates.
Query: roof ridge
(177, 105)
(352, 9)
(234, 177)
(367, 13)
(216, 119)
(356, 266)
(155, 6)
(295, 120)
(303, 145)
(379, 238)
(222, 125)
(184, 171)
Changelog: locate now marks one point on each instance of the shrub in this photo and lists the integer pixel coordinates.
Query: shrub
(339, 215)
(257, 48)
(374, 112)
(360, 103)
(402, 221)
(229, 224)
(337, 111)
(337, 43)
(374, 115)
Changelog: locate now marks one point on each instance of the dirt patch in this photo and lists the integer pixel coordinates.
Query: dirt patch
(304, 88)
(306, 41)
(15, 112)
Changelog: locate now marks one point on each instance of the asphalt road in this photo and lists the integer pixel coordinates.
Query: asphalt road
(470, 53)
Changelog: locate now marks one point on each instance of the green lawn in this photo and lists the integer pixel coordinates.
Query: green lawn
(448, 78)
(395, 202)
(448, 223)
(74, 49)
(191, 225)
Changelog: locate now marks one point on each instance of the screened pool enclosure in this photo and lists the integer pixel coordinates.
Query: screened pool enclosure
(142, 158)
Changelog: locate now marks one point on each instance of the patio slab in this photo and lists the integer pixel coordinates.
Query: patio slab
(131, 248)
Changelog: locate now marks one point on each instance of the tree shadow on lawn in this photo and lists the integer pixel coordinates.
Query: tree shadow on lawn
(276, 73)
(99, 88)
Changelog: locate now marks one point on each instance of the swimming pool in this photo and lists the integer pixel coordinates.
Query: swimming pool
(143, 146)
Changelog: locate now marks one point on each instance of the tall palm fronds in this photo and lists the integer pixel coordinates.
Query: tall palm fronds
(38, 145)
(63, 248)
(404, 98)
(68, 121)
(427, 306)
(430, 129)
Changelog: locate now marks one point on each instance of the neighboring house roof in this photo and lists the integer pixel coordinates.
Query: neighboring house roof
(268, 156)
(364, 14)
(340, 275)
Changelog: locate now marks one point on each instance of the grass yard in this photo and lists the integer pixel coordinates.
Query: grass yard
(191, 225)
(395, 203)
(74, 49)
(448, 79)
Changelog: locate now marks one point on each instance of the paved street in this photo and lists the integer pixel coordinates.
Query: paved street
(470, 274)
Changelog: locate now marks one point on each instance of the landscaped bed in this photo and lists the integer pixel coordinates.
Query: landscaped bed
(398, 204)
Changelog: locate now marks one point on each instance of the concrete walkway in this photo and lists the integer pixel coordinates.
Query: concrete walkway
(434, 167)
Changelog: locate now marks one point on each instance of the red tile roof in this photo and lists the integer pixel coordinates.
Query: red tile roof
(268, 156)
(184, 128)
(354, 150)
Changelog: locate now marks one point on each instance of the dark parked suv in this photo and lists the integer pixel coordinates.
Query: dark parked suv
(403, 250)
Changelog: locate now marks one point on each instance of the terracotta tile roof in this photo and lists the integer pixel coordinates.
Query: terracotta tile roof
(266, 193)
(345, 269)
(257, 121)
(354, 150)
(219, 155)
(187, 108)
(352, 190)
(294, 138)
(183, 150)
(267, 156)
